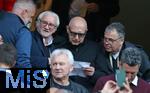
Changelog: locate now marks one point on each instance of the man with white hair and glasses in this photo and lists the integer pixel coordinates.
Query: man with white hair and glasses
(44, 41)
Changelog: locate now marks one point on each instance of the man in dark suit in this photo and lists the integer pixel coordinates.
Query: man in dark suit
(111, 48)
(44, 41)
(14, 30)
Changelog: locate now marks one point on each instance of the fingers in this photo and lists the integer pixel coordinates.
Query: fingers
(110, 87)
(89, 71)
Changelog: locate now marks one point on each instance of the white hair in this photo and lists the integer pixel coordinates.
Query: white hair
(62, 51)
(49, 13)
(24, 4)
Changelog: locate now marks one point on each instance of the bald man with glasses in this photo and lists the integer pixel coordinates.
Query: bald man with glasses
(82, 49)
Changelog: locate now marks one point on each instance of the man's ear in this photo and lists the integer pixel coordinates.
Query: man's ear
(24, 13)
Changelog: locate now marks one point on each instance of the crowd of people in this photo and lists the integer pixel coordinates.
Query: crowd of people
(75, 46)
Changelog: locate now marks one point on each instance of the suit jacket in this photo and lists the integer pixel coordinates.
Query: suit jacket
(106, 68)
(142, 86)
(40, 53)
(13, 30)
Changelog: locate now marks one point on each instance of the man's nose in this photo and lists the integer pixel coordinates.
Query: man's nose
(77, 36)
(57, 66)
(129, 75)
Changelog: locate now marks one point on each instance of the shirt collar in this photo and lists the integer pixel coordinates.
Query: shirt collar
(116, 55)
(49, 41)
(135, 81)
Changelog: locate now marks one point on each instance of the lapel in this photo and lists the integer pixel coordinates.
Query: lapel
(41, 46)
(106, 55)
(109, 63)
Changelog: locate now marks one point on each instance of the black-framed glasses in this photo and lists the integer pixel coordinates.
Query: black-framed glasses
(110, 39)
(73, 34)
(50, 25)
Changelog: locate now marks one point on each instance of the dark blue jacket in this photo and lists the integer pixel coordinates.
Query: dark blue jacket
(14, 31)
(40, 53)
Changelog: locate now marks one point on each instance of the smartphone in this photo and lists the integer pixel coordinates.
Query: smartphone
(120, 76)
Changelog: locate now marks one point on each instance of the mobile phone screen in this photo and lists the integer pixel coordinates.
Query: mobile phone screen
(120, 77)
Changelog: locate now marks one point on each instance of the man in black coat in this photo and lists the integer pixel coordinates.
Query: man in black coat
(44, 41)
(83, 50)
(111, 48)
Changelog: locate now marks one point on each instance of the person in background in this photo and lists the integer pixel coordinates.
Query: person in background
(112, 87)
(130, 61)
(111, 50)
(83, 50)
(41, 6)
(14, 30)
(43, 39)
(8, 56)
(98, 14)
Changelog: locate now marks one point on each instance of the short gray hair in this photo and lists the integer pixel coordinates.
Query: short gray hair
(8, 54)
(62, 51)
(24, 4)
(118, 27)
(49, 13)
(131, 56)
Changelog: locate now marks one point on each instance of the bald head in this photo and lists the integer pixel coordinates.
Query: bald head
(78, 22)
(77, 30)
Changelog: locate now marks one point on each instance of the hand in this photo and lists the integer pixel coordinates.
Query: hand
(126, 88)
(92, 7)
(89, 71)
(110, 87)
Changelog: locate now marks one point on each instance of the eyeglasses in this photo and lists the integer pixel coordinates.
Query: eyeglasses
(74, 34)
(110, 40)
(50, 25)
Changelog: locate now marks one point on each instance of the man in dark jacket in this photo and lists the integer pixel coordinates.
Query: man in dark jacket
(130, 61)
(82, 49)
(44, 41)
(111, 49)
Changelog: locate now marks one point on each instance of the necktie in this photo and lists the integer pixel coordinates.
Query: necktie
(114, 61)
